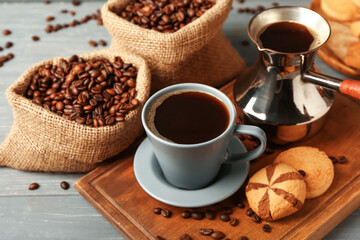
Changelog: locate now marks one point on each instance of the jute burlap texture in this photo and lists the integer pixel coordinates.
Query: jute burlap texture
(43, 141)
(198, 52)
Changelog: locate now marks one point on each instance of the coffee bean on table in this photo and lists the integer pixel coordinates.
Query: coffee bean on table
(10, 56)
(240, 205)
(49, 18)
(224, 217)
(249, 212)
(185, 237)
(197, 215)
(72, 13)
(1, 49)
(206, 231)
(102, 43)
(227, 210)
(64, 185)
(333, 159)
(186, 214)
(93, 43)
(46, 2)
(266, 228)
(243, 238)
(6, 32)
(157, 210)
(256, 218)
(210, 214)
(302, 172)
(217, 235)
(75, 2)
(342, 160)
(8, 45)
(160, 238)
(64, 11)
(166, 213)
(35, 38)
(34, 186)
(234, 221)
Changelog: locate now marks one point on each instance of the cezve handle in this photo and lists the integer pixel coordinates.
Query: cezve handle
(348, 87)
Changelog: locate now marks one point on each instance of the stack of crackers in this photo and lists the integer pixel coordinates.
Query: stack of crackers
(344, 18)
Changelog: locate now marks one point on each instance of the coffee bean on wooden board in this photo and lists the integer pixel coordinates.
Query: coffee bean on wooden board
(206, 231)
(209, 214)
(185, 237)
(234, 221)
(243, 238)
(157, 210)
(166, 213)
(227, 210)
(83, 91)
(342, 160)
(333, 159)
(256, 218)
(160, 238)
(302, 172)
(64, 185)
(266, 228)
(217, 235)
(197, 215)
(249, 212)
(240, 205)
(224, 217)
(34, 186)
(186, 214)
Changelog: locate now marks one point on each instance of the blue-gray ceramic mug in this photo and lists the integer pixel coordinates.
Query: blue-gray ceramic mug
(194, 166)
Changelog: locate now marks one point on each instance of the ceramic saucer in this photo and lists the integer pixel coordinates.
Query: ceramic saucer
(150, 177)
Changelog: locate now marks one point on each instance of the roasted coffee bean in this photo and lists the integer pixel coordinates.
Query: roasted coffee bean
(64, 11)
(302, 172)
(206, 231)
(6, 32)
(102, 43)
(34, 186)
(266, 228)
(64, 185)
(256, 218)
(240, 205)
(186, 214)
(157, 210)
(209, 214)
(49, 18)
(35, 38)
(165, 213)
(243, 238)
(185, 237)
(249, 212)
(160, 238)
(342, 160)
(241, 1)
(72, 13)
(164, 16)
(224, 217)
(269, 150)
(217, 235)
(227, 210)
(8, 45)
(333, 159)
(93, 43)
(197, 215)
(46, 2)
(275, 4)
(234, 221)
(10, 56)
(75, 2)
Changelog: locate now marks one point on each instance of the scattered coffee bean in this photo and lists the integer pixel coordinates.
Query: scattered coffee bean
(249, 212)
(240, 205)
(227, 210)
(260, 8)
(157, 210)
(164, 16)
(206, 231)
(185, 237)
(186, 214)
(342, 160)
(93, 43)
(234, 221)
(269, 150)
(217, 235)
(160, 238)
(8, 45)
(46, 2)
(1, 49)
(49, 18)
(75, 2)
(224, 217)
(256, 218)
(102, 43)
(333, 159)
(6, 32)
(275, 4)
(243, 238)
(241, 1)
(266, 228)
(34, 186)
(64, 11)
(165, 213)
(72, 13)
(302, 172)
(86, 90)
(10, 56)
(240, 10)
(197, 215)
(64, 185)
(209, 214)
(35, 38)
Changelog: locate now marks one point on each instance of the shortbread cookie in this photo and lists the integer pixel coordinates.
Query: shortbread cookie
(318, 168)
(352, 57)
(276, 191)
(357, 3)
(355, 28)
(344, 10)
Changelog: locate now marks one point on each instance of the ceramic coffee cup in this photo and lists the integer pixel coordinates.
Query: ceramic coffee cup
(194, 166)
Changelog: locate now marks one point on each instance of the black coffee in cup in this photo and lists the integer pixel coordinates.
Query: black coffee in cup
(188, 117)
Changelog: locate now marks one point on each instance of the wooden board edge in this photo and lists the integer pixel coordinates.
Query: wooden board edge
(102, 205)
(325, 218)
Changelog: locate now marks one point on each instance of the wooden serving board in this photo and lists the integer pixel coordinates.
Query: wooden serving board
(113, 190)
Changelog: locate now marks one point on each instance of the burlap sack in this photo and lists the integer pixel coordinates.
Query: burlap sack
(43, 141)
(198, 52)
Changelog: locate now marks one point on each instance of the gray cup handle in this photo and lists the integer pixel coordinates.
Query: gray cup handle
(247, 156)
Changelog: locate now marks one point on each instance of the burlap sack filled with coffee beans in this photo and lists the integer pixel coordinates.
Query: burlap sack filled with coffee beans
(40, 140)
(198, 52)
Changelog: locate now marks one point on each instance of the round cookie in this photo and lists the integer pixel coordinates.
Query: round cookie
(317, 166)
(276, 191)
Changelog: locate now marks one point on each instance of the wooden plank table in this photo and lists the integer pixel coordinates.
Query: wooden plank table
(50, 212)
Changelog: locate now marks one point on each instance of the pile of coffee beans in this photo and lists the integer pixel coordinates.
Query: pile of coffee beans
(165, 16)
(340, 159)
(91, 92)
